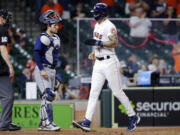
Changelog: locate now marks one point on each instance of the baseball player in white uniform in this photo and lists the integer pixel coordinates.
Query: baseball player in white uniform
(106, 66)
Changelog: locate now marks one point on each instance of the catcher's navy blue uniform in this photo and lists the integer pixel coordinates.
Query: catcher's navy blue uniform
(46, 51)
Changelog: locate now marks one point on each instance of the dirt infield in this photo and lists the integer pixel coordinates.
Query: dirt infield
(101, 131)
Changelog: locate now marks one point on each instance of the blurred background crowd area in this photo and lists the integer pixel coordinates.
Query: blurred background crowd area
(148, 33)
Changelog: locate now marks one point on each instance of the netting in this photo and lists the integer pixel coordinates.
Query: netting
(159, 40)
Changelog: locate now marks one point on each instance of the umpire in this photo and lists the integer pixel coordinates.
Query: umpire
(6, 73)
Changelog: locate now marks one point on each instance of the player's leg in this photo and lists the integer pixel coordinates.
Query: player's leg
(46, 114)
(113, 77)
(97, 83)
(52, 83)
(7, 99)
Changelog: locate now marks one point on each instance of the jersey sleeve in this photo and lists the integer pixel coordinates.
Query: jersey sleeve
(41, 42)
(3, 36)
(112, 30)
(38, 45)
(37, 50)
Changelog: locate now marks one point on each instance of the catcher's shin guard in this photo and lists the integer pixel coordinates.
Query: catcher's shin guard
(46, 113)
(43, 114)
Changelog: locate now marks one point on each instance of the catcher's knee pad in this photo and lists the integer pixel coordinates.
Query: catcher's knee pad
(49, 94)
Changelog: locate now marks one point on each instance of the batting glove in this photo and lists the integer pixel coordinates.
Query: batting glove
(93, 42)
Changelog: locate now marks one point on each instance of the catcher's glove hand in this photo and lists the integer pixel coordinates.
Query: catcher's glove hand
(93, 42)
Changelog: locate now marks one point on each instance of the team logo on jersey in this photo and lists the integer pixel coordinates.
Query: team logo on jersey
(113, 31)
(97, 35)
(4, 39)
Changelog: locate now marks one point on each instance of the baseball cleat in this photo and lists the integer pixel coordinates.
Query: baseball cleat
(54, 124)
(50, 127)
(133, 121)
(40, 128)
(84, 125)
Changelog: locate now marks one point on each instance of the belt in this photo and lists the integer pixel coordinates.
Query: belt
(49, 66)
(103, 58)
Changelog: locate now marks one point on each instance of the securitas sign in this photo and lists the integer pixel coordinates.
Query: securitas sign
(152, 109)
(155, 107)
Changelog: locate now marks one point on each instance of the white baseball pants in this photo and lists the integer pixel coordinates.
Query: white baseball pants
(107, 69)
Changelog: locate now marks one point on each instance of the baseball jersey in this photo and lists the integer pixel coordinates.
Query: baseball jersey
(102, 32)
(3, 36)
(48, 48)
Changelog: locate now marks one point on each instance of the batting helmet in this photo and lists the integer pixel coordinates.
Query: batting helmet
(50, 17)
(100, 9)
(4, 13)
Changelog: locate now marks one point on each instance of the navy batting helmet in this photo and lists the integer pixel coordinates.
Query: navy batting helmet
(50, 17)
(4, 13)
(100, 9)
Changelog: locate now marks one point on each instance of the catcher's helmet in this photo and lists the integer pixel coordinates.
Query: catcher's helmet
(4, 13)
(101, 9)
(50, 17)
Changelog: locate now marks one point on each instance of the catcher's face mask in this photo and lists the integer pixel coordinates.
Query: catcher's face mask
(50, 17)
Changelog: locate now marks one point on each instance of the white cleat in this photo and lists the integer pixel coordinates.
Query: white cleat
(49, 127)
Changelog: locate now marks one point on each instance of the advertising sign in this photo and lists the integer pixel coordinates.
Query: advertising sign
(156, 107)
(27, 115)
(144, 78)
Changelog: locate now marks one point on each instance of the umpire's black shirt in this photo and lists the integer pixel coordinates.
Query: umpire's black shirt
(4, 70)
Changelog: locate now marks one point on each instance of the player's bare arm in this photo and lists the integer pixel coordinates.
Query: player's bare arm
(5, 56)
(112, 43)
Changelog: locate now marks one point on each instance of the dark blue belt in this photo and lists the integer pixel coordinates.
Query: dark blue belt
(49, 66)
